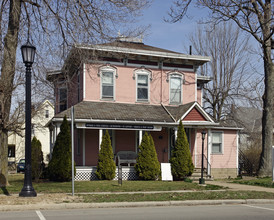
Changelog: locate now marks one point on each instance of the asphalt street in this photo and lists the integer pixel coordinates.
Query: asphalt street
(212, 212)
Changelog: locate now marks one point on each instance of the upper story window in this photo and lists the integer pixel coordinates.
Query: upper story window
(62, 99)
(175, 85)
(47, 114)
(142, 84)
(142, 87)
(217, 142)
(107, 82)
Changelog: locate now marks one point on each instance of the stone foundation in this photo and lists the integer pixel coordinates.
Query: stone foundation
(224, 173)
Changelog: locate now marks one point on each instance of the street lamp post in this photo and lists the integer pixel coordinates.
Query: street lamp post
(202, 180)
(28, 54)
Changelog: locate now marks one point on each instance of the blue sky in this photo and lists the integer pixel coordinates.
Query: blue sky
(166, 35)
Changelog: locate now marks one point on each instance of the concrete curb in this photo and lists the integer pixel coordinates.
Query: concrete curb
(132, 204)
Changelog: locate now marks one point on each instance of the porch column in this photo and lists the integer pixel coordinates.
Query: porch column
(140, 136)
(209, 144)
(57, 130)
(100, 138)
(175, 133)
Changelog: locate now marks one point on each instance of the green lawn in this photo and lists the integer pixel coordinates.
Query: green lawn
(265, 182)
(197, 192)
(16, 183)
(205, 195)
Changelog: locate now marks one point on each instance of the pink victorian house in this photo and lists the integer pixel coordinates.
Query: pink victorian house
(127, 88)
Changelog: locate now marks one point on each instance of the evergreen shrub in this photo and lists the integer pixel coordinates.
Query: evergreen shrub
(37, 160)
(147, 165)
(106, 166)
(181, 161)
(59, 168)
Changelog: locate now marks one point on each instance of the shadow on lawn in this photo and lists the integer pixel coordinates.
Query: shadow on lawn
(2, 185)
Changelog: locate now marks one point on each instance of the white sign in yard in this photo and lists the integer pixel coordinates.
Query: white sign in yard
(166, 172)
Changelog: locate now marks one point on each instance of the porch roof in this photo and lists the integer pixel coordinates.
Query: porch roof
(90, 110)
(112, 112)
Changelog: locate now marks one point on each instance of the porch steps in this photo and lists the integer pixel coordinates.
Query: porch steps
(196, 175)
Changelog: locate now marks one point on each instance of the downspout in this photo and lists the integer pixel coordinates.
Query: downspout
(161, 92)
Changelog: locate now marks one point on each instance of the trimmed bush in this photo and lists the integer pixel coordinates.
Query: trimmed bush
(106, 166)
(59, 168)
(37, 160)
(147, 165)
(181, 161)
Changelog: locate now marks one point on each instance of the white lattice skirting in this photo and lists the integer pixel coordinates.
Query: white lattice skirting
(88, 173)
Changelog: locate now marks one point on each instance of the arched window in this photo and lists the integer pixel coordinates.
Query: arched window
(175, 88)
(107, 74)
(143, 77)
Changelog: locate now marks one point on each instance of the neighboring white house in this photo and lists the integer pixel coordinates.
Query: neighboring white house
(16, 142)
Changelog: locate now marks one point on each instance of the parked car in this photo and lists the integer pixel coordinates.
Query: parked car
(21, 166)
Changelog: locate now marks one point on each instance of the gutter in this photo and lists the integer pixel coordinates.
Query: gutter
(147, 53)
(190, 123)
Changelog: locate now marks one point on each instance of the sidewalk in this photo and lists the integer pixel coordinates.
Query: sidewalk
(66, 201)
(240, 187)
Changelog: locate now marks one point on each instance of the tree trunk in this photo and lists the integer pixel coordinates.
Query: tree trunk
(6, 82)
(267, 120)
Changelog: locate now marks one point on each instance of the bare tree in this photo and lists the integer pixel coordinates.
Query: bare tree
(256, 18)
(53, 26)
(228, 67)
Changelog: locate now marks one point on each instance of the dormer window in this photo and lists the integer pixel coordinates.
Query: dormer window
(175, 85)
(107, 82)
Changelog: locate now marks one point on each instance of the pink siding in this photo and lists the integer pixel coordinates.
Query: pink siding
(189, 88)
(198, 158)
(229, 157)
(125, 85)
(192, 143)
(199, 96)
(124, 141)
(73, 91)
(92, 147)
(92, 83)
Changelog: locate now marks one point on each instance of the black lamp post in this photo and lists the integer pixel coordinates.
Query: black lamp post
(202, 180)
(28, 54)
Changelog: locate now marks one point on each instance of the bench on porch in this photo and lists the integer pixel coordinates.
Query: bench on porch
(126, 157)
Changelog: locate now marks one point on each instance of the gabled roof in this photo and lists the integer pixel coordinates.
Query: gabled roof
(192, 111)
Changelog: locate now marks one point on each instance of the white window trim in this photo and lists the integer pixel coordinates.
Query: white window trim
(222, 143)
(114, 72)
(142, 71)
(178, 75)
